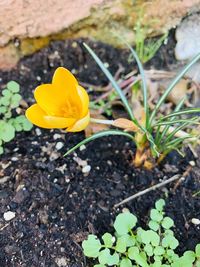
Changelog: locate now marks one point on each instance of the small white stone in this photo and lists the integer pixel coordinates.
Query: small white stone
(38, 131)
(106, 64)
(14, 159)
(192, 163)
(195, 221)
(82, 147)
(56, 136)
(86, 169)
(9, 215)
(59, 145)
(61, 262)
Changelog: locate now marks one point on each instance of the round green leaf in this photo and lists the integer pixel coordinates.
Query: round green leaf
(7, 132)
(15, 100)
(132, 251)
(125, 263)
(121, 244)
(156, 215)
(113, 259)
(158, 251)
(124, 223)
(167, 223)
(160, 204)
(104, 256)
(108, 240)
(148, 249)
(91, 246)
(13, 86)
(153, 225)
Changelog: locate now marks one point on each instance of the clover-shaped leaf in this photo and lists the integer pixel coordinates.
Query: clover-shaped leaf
(114, 259)
(137, 257)
(148, 249)
(108, 240)
(104, 256)
(121, 244)
(170, 241)
(150, 236)
(125, 263)
(15, 99)
(13, 86)
(153, 225)
(156, 215)
(160, 204)
(158, 251)
(167, 223)
(91, 246)
(124, 223)
(7, 131)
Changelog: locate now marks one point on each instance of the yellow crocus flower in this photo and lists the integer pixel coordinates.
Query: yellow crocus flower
(61, 104)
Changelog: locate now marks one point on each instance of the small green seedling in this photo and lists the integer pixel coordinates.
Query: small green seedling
(9, 125)
(133, 246)
(145, 49)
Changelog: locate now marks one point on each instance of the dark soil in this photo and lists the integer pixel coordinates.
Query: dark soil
(56, 204)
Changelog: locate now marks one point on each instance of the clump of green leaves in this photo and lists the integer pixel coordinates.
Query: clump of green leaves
(133, 246)
(104, 105)
(155, 135)
(9, 125)
(146, 49)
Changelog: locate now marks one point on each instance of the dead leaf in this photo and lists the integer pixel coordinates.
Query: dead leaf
(178, 92)
(125, 124)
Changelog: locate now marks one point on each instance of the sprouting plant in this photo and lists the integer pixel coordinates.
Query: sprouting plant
(10, 124)
(145, 49)
(132, 246)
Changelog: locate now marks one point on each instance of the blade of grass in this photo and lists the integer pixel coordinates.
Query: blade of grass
(113, 82)
(171, 86)
(99, 135)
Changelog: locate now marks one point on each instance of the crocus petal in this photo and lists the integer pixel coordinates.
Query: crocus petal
(84, 100)
(66, 85)
(40, 118)
(80, 124)
(51, 102)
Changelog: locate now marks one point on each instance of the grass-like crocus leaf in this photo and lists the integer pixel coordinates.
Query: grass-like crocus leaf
(176, 130)
(171, 86)
(143, 79)
(98, 135)
(175, 142)
(160, 134)
(113, 82)
(181, 112)
(194, 120)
